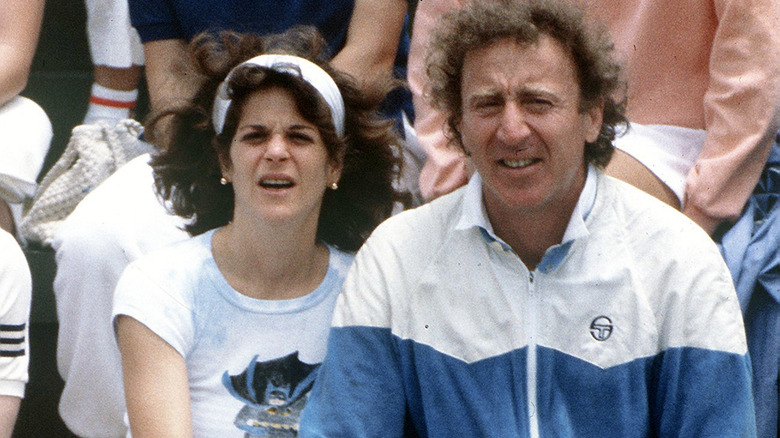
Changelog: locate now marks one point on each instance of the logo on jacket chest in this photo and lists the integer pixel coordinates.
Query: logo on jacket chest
(601, 328)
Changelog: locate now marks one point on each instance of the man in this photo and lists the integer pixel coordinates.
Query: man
(544, 298)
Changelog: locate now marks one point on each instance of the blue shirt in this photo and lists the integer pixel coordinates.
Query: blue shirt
(184, 19)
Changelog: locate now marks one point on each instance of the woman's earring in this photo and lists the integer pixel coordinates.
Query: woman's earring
(223, 181)
(334, 186)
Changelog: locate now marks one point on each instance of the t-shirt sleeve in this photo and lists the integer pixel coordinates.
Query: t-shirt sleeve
(165, 310)
(154, 20)
(15, 297)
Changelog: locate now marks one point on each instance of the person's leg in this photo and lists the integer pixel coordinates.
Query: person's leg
(117, 57)
(25, 136)
(6, 218)
(122, 79)
(116, 223)
(627, 168)
(657, 159)
(114, 93)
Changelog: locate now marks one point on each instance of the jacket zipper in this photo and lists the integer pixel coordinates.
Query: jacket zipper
(531, 329)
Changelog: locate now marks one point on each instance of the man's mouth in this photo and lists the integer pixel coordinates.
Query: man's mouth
(517, 164)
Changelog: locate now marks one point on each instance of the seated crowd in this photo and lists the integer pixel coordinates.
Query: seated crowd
(529, 232)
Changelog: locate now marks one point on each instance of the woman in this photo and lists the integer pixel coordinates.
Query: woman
(222, 334)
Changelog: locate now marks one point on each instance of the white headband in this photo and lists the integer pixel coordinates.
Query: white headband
(292, 65)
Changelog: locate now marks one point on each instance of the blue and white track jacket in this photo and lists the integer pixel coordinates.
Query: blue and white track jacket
(630, 329)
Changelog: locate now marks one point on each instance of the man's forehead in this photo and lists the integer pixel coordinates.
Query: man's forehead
(507, 66)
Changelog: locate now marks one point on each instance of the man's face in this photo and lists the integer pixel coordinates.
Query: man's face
(522, 126)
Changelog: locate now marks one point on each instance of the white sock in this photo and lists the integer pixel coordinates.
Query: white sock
(109, 104)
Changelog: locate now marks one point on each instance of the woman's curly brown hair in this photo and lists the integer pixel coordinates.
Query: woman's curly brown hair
(187, 170)
(481, 23)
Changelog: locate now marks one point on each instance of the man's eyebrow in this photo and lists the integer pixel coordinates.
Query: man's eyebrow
(532, 91)
(483, 95)
(526, 91)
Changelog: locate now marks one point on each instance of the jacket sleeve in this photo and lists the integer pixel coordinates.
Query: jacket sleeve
(701, 381)
(703, 393)
(740, 110)
(359, 391)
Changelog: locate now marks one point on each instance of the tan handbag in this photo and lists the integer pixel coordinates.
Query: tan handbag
(93, 153)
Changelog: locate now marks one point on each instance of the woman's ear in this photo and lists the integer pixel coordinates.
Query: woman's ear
(335, 168)
(225, 166)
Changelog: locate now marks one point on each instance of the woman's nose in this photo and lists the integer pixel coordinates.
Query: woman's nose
(278, 149)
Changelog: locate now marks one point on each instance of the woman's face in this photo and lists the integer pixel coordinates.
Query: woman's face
(279, 166)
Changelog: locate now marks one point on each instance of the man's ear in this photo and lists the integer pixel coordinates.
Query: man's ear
(456, 137)
(593, 117)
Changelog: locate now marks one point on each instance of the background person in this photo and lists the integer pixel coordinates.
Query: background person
(117, 58)
(230, 326)
(703, 96)
(367, 38)
(544, 298)
(25, 130)
(15, 298)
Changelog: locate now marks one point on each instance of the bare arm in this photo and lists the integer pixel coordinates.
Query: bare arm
(20, 25)
(446, 167)
(155, 378)
(9, 407)
(170, 79)
(741, 111)
(168, 74)
(372, 40)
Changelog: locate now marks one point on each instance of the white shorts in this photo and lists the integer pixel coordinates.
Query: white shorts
(668, 151)
(113, 42)
(25, 135)
(118, 222)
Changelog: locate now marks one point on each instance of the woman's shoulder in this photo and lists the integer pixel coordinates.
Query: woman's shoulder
(165, 279)
(176, 259)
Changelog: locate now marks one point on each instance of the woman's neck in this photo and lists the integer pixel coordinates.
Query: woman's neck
(270, 262)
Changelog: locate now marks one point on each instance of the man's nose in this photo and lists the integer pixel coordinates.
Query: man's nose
(514, 126)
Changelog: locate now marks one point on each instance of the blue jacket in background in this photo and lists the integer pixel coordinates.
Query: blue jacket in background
(751, 250)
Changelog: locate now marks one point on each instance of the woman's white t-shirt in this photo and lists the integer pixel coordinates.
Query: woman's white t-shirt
(250, 362)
